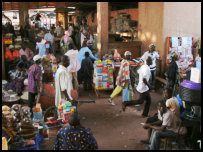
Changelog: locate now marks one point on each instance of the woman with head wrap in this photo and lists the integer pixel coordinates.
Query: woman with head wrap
(123, 78)
(65, 41)
(75, 137)
(17, 79)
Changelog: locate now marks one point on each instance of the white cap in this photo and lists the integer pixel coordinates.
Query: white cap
(11, 46)
(127, 53)
(36, 57)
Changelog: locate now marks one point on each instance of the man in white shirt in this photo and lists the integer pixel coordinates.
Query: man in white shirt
(154, 56)
(169, 128)
(62, 82)
(49, 37)
(142, 88)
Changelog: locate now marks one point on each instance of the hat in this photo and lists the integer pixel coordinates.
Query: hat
(11, 47)
(36, 57)
(152, 46)
(127, 53)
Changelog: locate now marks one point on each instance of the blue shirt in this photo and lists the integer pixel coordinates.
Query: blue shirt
(42, 46)
(75, 138)
(81, 54)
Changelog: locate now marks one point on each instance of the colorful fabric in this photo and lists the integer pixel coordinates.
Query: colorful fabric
(116, 91)
(127, 94)
(66, 36)
(123, 74)
(11, 55)
(75, 138)
(27, 52)
(34, 74)
(17, 74)
(16, 85)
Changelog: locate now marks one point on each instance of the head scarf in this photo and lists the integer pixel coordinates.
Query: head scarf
(36, 57)
(127, 53)
(66, 36)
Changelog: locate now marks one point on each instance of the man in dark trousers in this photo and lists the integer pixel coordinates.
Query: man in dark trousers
(142, 88)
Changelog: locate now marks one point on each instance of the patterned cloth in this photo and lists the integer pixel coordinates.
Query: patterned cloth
(16, 85)
(123, 74)
(34, 73)
(27, 52)
(75, 138)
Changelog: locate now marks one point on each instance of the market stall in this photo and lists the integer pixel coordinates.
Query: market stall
(105, 73)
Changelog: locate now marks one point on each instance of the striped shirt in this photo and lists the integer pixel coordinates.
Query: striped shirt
(154, 55)
(34, 74)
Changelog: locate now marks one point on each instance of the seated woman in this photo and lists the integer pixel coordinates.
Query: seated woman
(23, 60)
(17, 81)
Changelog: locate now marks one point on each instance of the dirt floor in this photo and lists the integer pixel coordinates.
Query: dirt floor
(112, 128)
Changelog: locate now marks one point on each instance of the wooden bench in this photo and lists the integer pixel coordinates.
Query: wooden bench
(161, 81)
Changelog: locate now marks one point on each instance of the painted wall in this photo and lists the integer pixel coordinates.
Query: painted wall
(159, 20)
(150, 25)
(182, 19)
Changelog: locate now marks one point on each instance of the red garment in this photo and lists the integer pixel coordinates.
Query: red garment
(12, 55)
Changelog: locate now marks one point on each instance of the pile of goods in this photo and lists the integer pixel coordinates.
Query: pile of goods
(17, 123)
(47, 68)
(37, 115)
(103, 74)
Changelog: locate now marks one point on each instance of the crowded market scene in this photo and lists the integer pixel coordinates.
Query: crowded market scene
(101, 76)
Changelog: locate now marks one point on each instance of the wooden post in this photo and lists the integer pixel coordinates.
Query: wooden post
(3, 62)
(102, 28)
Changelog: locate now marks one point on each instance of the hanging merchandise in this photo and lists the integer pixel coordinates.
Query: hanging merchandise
(103, 74)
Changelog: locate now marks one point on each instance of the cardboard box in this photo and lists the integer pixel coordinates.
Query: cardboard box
(195, 75)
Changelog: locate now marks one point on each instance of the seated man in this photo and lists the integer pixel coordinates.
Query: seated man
(168, 129)
(156, 119)
(74, 136)
(18, 76)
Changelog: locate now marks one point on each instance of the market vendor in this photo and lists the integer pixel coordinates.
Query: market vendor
(17, 79)
(34, 77)
(65, 41)
(154, 56)
(62, 81)
(26, 51)
(123, 78)
(42, 45)
(75, 137)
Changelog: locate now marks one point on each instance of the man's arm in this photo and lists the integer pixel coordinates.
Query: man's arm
(155, 127)
(159, 122)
